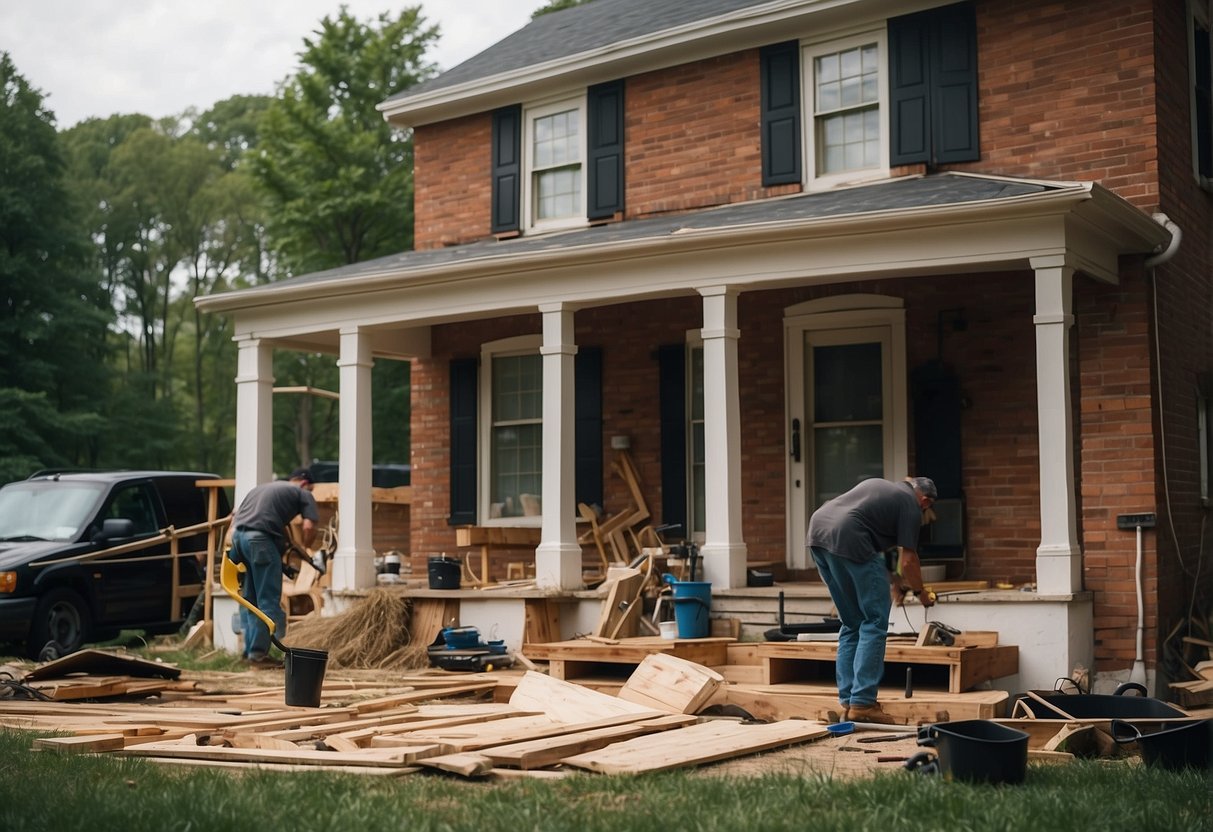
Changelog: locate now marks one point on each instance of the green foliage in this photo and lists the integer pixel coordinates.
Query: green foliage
(51, 309)
(337, 176)
(557, 5)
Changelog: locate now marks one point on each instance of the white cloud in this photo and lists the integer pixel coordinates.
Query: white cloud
(158, 57)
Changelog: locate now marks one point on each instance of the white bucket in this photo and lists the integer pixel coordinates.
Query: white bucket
(669, 629)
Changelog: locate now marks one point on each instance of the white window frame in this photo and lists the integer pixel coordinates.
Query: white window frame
(1200, 13)
(518, 345)
(530, 113)
(841, 312)
(811, 51)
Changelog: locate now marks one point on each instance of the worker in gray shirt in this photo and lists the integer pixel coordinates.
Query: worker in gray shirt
(258, 541)
(847, 538)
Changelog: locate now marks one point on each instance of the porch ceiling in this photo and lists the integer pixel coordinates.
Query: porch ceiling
(931, 225)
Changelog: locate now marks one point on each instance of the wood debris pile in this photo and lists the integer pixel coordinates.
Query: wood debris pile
(429, 720)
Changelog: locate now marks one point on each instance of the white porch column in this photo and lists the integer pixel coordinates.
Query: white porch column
(724, 551)
(1059, 557)
(558, 557)
(354, 561)
(254, 414)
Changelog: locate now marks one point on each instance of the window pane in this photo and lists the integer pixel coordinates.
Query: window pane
(842, 456)
(556, 139)
(847, 383)
(697, 453)
(847, 109)
(516, 477)
(557, 193)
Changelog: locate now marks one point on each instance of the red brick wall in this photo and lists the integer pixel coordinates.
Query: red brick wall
(1038, 121)
(451, 184)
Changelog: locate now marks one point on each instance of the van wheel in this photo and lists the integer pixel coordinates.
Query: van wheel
(61, 617)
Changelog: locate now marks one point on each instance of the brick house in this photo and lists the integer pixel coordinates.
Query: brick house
(776, 246)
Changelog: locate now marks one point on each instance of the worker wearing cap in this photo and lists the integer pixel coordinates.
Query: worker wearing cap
(258, 541)
(847, 538)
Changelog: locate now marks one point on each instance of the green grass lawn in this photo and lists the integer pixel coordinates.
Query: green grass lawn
(49, 791)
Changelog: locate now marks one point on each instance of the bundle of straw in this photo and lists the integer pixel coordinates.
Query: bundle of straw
(372, 634)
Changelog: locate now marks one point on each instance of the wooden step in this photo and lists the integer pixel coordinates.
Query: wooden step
(954, 669)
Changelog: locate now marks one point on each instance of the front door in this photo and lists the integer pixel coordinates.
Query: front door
(846, 403)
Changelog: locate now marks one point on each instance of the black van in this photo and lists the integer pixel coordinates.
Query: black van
(54, 589)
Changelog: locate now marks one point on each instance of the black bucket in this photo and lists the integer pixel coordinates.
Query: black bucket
(1117, 705)
(444, 573)
(976, 751)
(305, 676)
(1178, 746)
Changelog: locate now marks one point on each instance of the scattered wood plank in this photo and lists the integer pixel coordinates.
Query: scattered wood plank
(465, 765)
(567, 702)
(547, 751)
(697, 744)
(668, 683)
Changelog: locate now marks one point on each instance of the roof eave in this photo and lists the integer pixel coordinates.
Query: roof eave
(1102, 206)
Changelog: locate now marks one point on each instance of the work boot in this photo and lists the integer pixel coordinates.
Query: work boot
(869, 713)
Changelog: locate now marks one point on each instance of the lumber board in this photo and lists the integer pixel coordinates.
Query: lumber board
(566, 702)
(186, 749)
(617, 617)
(465, 764)
(102, 661)
(668, 683)
(373, 771)
(694, 745)
(89, 744)
(547, 751)
(817, 702)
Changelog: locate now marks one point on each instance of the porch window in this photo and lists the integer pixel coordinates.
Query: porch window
(1200, 62)
(512, 383)
(555, 147)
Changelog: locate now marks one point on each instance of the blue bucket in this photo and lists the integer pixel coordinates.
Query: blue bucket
(692, 602)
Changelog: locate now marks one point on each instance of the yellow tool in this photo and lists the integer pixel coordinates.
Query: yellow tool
(229, 577)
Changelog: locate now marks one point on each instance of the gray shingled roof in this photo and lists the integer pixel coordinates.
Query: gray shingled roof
(572, 31)
(893, 195)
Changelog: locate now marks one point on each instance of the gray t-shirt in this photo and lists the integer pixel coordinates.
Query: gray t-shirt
(867, 520)
(270, 506)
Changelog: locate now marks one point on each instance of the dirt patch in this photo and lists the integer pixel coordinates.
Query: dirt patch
(842, 758)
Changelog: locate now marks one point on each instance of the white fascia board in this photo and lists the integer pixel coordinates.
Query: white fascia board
(732, 32)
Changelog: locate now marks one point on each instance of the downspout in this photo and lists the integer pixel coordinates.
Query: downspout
(1158, 258)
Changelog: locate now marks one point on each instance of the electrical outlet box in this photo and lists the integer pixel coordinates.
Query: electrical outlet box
(1133, 521)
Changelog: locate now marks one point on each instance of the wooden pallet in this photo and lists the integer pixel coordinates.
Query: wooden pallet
(954, 669)
(617, 658)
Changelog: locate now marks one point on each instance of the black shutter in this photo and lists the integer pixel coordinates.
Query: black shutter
(954, 85)
(604, 139)
(465, 381)
(909, 104)
(779, 65)
(587, 434)
(1204, 100)
(933, 86)
(507, 168)
(672, 372)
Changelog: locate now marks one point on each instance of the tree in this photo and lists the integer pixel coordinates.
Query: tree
(338, 177)
(339, 184)
(51, 364)
(557, 5)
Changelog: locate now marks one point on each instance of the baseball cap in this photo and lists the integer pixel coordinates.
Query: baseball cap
(926, 486)
(304, 474)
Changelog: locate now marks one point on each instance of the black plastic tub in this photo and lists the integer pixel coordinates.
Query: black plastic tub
(444, 573)
(977, 751)
(1102, 705)
(1177, 746)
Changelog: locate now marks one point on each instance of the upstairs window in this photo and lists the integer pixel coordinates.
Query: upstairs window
(849, 107)
(555, 148)
(902, 94)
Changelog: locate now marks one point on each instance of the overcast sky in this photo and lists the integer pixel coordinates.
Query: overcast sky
(158, 57)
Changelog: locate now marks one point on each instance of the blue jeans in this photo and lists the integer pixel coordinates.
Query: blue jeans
(860, 592)
(262, 588)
